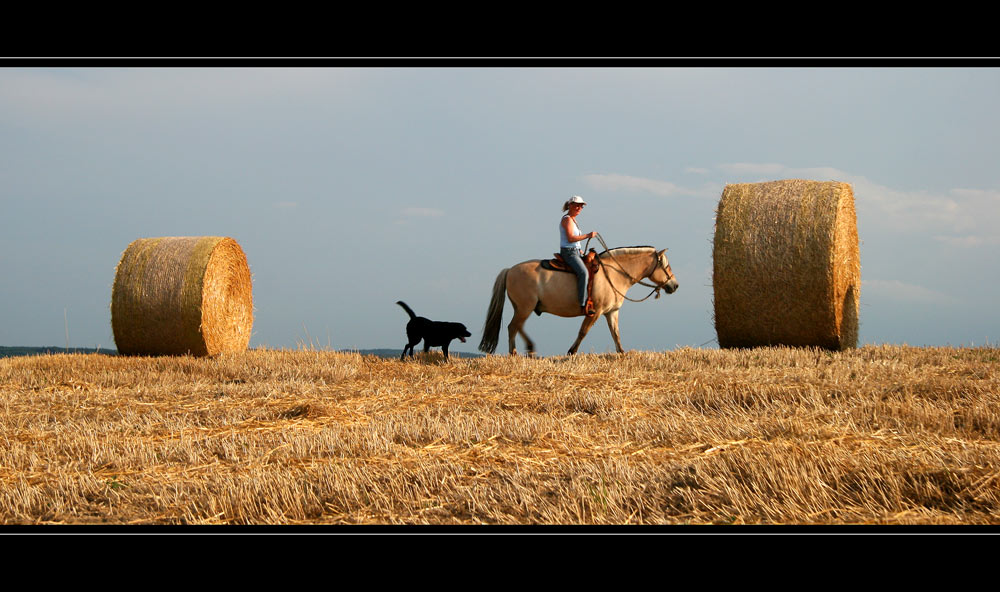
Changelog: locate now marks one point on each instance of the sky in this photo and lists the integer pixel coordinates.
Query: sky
(351, 187)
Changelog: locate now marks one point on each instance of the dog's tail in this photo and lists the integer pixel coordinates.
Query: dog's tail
(491, 329)
(406, 308)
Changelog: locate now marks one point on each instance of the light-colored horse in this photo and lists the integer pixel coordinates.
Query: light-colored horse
(532, 288)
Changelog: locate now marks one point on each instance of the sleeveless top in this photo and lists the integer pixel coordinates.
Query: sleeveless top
(564, 241)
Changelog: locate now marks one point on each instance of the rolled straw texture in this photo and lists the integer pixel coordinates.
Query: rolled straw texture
(182, 295)
(786, 266)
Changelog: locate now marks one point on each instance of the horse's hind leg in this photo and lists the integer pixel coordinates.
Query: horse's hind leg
(517, 326)
(529, 345)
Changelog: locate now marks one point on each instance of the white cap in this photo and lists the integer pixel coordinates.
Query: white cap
(577, 199)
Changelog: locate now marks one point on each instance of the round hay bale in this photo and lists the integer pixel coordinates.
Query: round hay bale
(786, 268)
(182, 295)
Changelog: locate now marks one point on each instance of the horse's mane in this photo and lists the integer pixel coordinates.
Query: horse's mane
(624, 251)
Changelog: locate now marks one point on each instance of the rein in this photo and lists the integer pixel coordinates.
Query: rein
(621, 269)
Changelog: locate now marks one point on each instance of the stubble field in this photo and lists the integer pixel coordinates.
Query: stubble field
(881, 435)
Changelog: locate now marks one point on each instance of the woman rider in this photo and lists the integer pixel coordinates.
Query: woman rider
(571, 249)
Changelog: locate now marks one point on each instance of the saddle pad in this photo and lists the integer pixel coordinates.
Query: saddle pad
(547, 264)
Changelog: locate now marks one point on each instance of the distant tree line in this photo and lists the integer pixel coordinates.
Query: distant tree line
(8, 352)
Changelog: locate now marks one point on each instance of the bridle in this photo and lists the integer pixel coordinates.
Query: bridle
(621, 269)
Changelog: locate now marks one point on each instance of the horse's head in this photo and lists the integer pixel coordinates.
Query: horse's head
(662, 275)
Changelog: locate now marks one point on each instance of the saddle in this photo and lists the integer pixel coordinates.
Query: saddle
(589, 261)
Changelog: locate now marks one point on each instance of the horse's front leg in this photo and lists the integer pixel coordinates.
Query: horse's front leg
(588, 322)
(612, 318)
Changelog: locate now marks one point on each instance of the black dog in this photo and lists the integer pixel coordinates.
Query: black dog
(434, 333)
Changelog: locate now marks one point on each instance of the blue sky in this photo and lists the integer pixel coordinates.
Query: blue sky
(352, 187)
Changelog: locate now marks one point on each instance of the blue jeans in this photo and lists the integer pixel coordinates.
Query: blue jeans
(572, 257)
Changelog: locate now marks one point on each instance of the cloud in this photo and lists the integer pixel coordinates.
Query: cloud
(902, 292)
(422, 212)
(968, 211)
(758, 172)
(969, 241)
(977, 195)
(55, 96)
(616, 182)
(406, 216)
(763, 169)
(960, 217)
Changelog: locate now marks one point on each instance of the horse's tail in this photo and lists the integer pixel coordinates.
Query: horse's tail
(491, 328)
(408, 310)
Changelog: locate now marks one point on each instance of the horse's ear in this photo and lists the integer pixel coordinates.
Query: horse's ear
(658, 253)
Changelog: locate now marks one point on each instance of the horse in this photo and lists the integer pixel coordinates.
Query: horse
(533, 288)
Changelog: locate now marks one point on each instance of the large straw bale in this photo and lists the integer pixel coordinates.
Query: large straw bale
(786, 267)
(182, 295)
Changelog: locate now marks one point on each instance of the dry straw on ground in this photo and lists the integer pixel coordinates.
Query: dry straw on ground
(180, 295)
(871, 435)
(786, 266)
